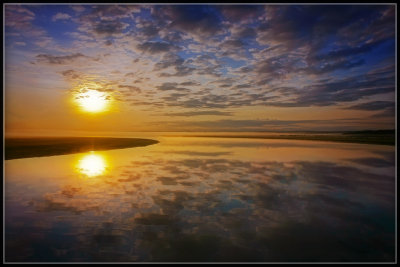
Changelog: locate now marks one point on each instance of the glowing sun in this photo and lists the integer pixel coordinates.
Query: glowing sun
(92, 101)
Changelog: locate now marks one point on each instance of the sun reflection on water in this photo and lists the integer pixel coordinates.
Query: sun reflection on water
(92, 164)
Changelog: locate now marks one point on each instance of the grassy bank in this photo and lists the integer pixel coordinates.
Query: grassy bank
(384, 137)
(49, 146)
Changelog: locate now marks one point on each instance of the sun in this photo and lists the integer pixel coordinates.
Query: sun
(92, 97)
(92, 101)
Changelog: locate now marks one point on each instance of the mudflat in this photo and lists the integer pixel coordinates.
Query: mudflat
(379, 137)
(16, 148)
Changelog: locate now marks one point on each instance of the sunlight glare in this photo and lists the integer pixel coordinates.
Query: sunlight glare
(92, 101)
(92, 165)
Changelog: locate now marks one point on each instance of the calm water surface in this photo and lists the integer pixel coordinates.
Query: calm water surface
(204, 199)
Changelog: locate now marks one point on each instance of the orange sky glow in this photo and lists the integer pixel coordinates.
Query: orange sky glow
(141, 68)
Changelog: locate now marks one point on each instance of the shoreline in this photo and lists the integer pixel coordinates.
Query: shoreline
(18, 148)
(28, 147)
(370, 139)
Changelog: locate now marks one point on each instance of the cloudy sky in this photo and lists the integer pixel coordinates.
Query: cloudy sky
(201, 67)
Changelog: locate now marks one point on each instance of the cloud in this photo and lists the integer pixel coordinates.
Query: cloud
(78, 8)
(59, 60)
(173, 97)
(233, 44)
(213, 71)
(20, 43)
(278, 66)
(352, 88)
(189, 83)
(389, 112)
(106, 20)
(282, 26)
(21, 19)
(199, 21)
(243, 32)
(380, 27)
(348, 89)
(374, 162)
(169, 60)
(249, 123)
(105, 27)
(318, 23)
(131, 88)
(171, 86)
(349, 51)
(60, 16)
(257, 125)
(198, 153)
(180, 72)
(206, 101)
(153, 47)
(242, 86)
(237, 13)
(114, 11)
(200, 113)
(19, 9)
(18, 17)
(217, 57)
(147, 28)
(387, 108)
(332, 66)
(171, 36)
(373, 105)
(72, 74)
(277, 200)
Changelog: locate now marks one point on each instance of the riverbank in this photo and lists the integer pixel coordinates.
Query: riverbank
(16, 148)
(380, 137)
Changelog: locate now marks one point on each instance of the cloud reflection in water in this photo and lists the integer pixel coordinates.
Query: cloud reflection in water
(182, 206)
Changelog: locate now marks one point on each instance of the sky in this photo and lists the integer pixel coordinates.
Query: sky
(200, 67)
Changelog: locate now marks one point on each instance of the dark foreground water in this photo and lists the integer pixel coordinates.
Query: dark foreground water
(204, 199)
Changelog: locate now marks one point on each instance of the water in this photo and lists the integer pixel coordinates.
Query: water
(204, 199)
